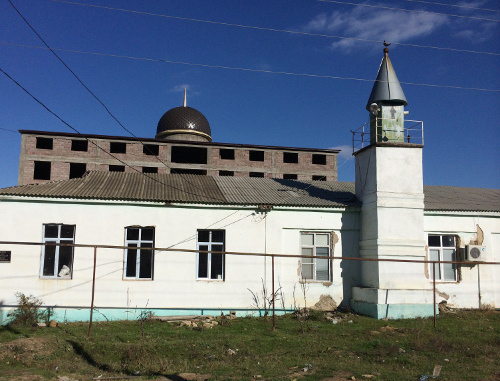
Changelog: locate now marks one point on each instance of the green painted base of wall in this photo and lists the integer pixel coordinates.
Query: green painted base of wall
(393, 311)
(74, 314)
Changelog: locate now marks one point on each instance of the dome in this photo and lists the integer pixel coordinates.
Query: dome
(185, 122)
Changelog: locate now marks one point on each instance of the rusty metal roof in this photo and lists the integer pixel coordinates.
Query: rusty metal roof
(387, 87)
(226, 190)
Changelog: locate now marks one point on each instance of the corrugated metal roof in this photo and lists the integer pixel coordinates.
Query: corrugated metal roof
(447, 198)
(193, 189)
(226, 190)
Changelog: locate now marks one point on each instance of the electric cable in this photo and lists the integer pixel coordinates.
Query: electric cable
(253, 70)
(271, 29)
(453, 5)
(99, 147)
(92, 93)
(400, 9)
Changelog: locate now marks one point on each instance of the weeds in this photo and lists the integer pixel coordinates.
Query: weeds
(28, 312)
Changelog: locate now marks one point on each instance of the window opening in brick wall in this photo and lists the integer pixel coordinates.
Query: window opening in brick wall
(151, 149)
(256, 155)
(319, 159)
(79, 145)
(226, 154)
(57, 261)
(256, 174)
(139, 259)
(77, 170)
(211, 265)
(319, 178)
(44, 143)
(117, 168)
(149, 169)
(188, 155)
(187, 171)
(289, 176)
(117, 147)
(42, 170)
(226, 173)
(290, 157)
(442, 248)
(316, 245)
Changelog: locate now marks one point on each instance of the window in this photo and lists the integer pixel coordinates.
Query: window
(150, 149)
(319, 159)
(149, 169)
(226, 173)
(117, 168)
(44, 143)
(289, 176)
(319, 178)
(139, 261)
(442, 248)
(77, 170)
(316, 245)
(79, 145)
(188, 155)
(57, 261)
(42, 170)
(256, 155)
(188, 171)
(256, 174)
(117, 147)
(290, 157)
(211, 265)
(226, 154)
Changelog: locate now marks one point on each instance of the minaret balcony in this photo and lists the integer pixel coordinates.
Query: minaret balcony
(384, 131)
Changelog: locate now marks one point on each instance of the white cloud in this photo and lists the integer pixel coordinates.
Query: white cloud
(370, 24)
(180, 88)
(480, 33)
(345, 152)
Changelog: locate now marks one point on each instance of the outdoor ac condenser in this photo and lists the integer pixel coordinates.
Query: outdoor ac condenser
(476, 253)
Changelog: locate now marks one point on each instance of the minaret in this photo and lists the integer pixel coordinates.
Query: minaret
(389, 183)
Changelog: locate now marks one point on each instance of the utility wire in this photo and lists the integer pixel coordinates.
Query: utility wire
(6, 129)
(400, 9)
(95, 96)
(272, 29)
(252, 70)
(95, 144)
(453, 5)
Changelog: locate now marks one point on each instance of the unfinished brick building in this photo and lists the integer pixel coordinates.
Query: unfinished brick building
(183, 144)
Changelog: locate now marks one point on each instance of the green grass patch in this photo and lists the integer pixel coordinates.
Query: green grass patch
(465, 343)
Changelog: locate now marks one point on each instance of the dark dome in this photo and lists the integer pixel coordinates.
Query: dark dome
(183, 120)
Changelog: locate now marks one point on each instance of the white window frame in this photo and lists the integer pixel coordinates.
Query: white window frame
(314, 247)
(139, 243)
(210, 244)
(441, 266)
(57, 240)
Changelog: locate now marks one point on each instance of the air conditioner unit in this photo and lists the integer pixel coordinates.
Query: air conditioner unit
(476, 253)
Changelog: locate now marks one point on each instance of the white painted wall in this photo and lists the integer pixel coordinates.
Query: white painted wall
(175, 284)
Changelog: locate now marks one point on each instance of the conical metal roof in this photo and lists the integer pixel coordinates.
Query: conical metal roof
(387, 88)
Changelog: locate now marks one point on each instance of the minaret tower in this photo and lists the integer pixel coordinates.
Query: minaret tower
(389, 183)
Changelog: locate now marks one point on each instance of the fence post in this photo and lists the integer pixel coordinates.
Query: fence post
(93, 291)
(274, 295)
(479, 287)
(434, 291)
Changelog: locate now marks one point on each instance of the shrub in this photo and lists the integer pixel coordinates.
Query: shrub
(28, 311)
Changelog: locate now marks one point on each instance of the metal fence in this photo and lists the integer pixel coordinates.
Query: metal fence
(272, 255)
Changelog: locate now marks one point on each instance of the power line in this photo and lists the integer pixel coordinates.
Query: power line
(95, 144)
(453, 5)
(6, 129)
(272, 29)
(400, 9)
(93, 95)
(252, 70)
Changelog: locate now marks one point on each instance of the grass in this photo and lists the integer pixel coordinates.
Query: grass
(465, 343)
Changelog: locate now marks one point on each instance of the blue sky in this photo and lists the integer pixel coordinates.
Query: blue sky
(461, 126)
